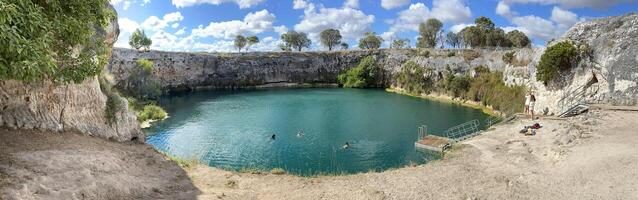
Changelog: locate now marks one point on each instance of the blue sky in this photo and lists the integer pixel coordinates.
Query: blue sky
(211, 25)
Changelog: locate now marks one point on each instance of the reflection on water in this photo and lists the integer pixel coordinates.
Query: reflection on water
(233, 129)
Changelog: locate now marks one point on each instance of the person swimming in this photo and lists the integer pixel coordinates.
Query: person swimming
(272, 137)
(300, 134)
(345, 146)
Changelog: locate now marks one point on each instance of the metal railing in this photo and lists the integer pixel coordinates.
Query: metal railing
(576, 97)
(463, 131)
(423, 131)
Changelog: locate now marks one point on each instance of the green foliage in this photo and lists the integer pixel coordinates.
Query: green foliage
(473, 36)
(429, 33)
(414, 79)
(145, 64)
(496, 38)
(556, 58)
(240, 42)
(113, 101)
(361, 76)
(370, 41)
(508, 57)
(330, 38)
(458, 86)
(489, 88)
(400, 44)
(484, 23)
(151, 112)
(250, 41)
(139, 40)
(453, 39)
(518, 39)
(344, 46)
(36, 38)
(296, 40)
(451, 54)
(141, 84)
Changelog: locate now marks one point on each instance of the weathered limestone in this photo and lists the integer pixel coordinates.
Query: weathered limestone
(178, 71)
(73, 107)
(610, 75)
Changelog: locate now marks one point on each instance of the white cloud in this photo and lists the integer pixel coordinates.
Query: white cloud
(300, 4)
(391, 4)
(573, 3)
(280, 29)
(351, 3)
(145, 2)
(447, 11)
(155, 24)
(175, 25)
(563, 18)
(126, 5)
(537, 27)
(253, 23)
(240, 3)
(351, 23)
(457, 28)
(165, 41)
(127, 25)
(451, 11)
(181, 31)
(504, 10)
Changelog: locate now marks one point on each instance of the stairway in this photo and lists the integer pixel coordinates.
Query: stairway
(575, 110)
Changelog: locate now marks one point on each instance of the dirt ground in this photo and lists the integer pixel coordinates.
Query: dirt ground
(592, 156)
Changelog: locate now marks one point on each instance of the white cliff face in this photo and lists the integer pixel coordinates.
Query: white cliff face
(609, 75)
(73, 107)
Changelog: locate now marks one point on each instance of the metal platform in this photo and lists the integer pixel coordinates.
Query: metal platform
(433, 143)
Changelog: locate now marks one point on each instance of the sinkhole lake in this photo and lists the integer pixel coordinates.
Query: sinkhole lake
(233, 129)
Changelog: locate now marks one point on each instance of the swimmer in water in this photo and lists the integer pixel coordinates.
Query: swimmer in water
(300, 134)
(345, 146)
(273, 136)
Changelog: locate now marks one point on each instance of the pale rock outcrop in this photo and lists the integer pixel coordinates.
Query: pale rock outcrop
(73, 107)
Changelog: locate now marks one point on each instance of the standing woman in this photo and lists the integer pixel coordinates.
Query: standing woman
(532, 101)
(527, 100)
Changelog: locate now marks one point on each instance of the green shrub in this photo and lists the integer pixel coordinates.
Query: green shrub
(451, 54)
(508, 57)
(151, 112)
(489, 88)
(361, 76)
(556, 58)
(459, 85)
(113, 106)
(414, 78)
(145, 64)
(37, 38)
(424, 53)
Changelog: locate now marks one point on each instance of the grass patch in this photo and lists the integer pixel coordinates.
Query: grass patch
(151, 112)
(277, 171)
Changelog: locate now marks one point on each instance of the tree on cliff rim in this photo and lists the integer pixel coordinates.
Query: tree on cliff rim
(240, 42)
(370, 41)
(296, 40)
(36, 38)
(250, 41)
(139, 40)
(429, 33)
(330, 38)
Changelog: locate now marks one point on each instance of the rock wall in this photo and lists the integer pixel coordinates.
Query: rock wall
(72, 107)
(186, 71)
(609, 75)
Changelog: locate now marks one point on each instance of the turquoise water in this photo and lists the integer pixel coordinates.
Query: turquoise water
(233, 129)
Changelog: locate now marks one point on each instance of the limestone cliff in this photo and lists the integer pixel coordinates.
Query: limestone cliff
(73, 107)
(185, 71)
(610, 74)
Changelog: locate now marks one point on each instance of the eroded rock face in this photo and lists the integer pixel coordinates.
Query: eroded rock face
(609, 75)
(185, 71)
(72, 107)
